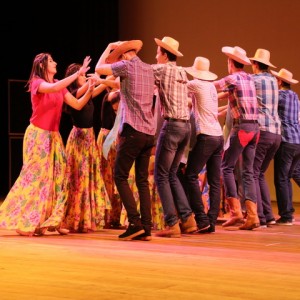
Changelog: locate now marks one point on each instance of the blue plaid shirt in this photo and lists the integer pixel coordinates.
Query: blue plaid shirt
(288, 110)
(267, 97)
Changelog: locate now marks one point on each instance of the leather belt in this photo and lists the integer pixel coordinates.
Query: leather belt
(177, 120)
(240, 121)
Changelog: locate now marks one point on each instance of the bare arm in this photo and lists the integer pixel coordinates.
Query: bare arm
(101, 84)
(112, 83)
(222, 95)
(222, 110)
(51, 87)
(109, 48)
(80, 103)
(102, 68)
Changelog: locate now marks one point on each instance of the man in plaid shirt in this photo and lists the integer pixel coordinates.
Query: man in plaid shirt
(244, 136)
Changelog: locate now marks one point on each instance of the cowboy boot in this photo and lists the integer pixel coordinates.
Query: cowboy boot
(252, 220)
(235, 211)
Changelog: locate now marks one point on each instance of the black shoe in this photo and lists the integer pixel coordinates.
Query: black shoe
(271, 222)
(143, 237)
(203, 226)
(131, 232)
(284, 222)
(210, 229)
(263, 224)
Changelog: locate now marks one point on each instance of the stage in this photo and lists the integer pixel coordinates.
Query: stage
(228, 264)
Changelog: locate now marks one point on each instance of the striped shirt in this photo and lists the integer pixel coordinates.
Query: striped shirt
(242, 95)
(288, 110)
(171, 81)
(267, 97)
(136, 94)
(205, 107)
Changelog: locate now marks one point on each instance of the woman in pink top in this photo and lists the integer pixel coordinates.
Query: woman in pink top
(36, 201)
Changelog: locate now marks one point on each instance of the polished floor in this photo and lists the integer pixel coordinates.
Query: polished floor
(229, 264)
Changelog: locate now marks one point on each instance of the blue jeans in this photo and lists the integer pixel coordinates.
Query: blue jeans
(286, 160)
(207, 150)
(134, 147)
(266, 148)
(243, 140)
(172, 140)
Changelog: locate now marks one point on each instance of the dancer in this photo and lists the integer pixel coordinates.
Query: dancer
(244, 136)
(137, 130)
(87, 198)
(37, 199)
(173, 138)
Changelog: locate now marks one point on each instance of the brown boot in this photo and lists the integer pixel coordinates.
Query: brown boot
(170, 231)
(189, 225)
(252, 220)
(236, 215)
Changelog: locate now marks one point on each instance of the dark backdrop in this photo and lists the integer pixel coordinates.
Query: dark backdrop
(69, 30)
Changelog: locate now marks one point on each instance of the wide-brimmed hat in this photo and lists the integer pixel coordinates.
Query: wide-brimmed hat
(285, 76)
(169, 44)
(200, 69)
(237, 53)
(122, 48)
(263, 56)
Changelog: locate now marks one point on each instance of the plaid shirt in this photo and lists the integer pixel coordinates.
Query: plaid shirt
(171, 81)
(136, 94)
(242, 95)
(267, 98)
(288, 110)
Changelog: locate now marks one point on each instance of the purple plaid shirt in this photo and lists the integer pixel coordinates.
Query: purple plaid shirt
(136, 94)
(242, 95)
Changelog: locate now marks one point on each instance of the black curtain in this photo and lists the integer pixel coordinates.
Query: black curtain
(69, 30)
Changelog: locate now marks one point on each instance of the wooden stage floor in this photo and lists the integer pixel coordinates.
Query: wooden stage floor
(229, 264)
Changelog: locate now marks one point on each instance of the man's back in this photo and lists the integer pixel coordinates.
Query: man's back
(171, 82)
(137, 90)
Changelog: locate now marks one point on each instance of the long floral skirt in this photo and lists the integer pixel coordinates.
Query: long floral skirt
(107, 170)
(37, 198)
(87, 198)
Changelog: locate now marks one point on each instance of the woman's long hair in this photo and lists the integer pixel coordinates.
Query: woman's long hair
(39, 68)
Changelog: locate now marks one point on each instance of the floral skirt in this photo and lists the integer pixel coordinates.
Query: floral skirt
(107, 171)
(37, 198)
(87, 198)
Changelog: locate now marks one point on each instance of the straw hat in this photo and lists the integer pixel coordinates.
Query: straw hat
(285, 76)
(169, 44)
(238, 54)
(122, 48)
(200, 69)
(263, 56)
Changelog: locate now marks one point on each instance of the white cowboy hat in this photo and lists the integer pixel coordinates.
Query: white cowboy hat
(285, 76)
(238, 54)
(122, 48)
(169, 44)
(200, 69)
(263, 56)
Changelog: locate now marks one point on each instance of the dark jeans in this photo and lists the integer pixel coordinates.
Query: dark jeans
(207, 150)
(286, 160)
(296, 173)
(134, 147)
(266, 148)
(243, 140)
(172, 140)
